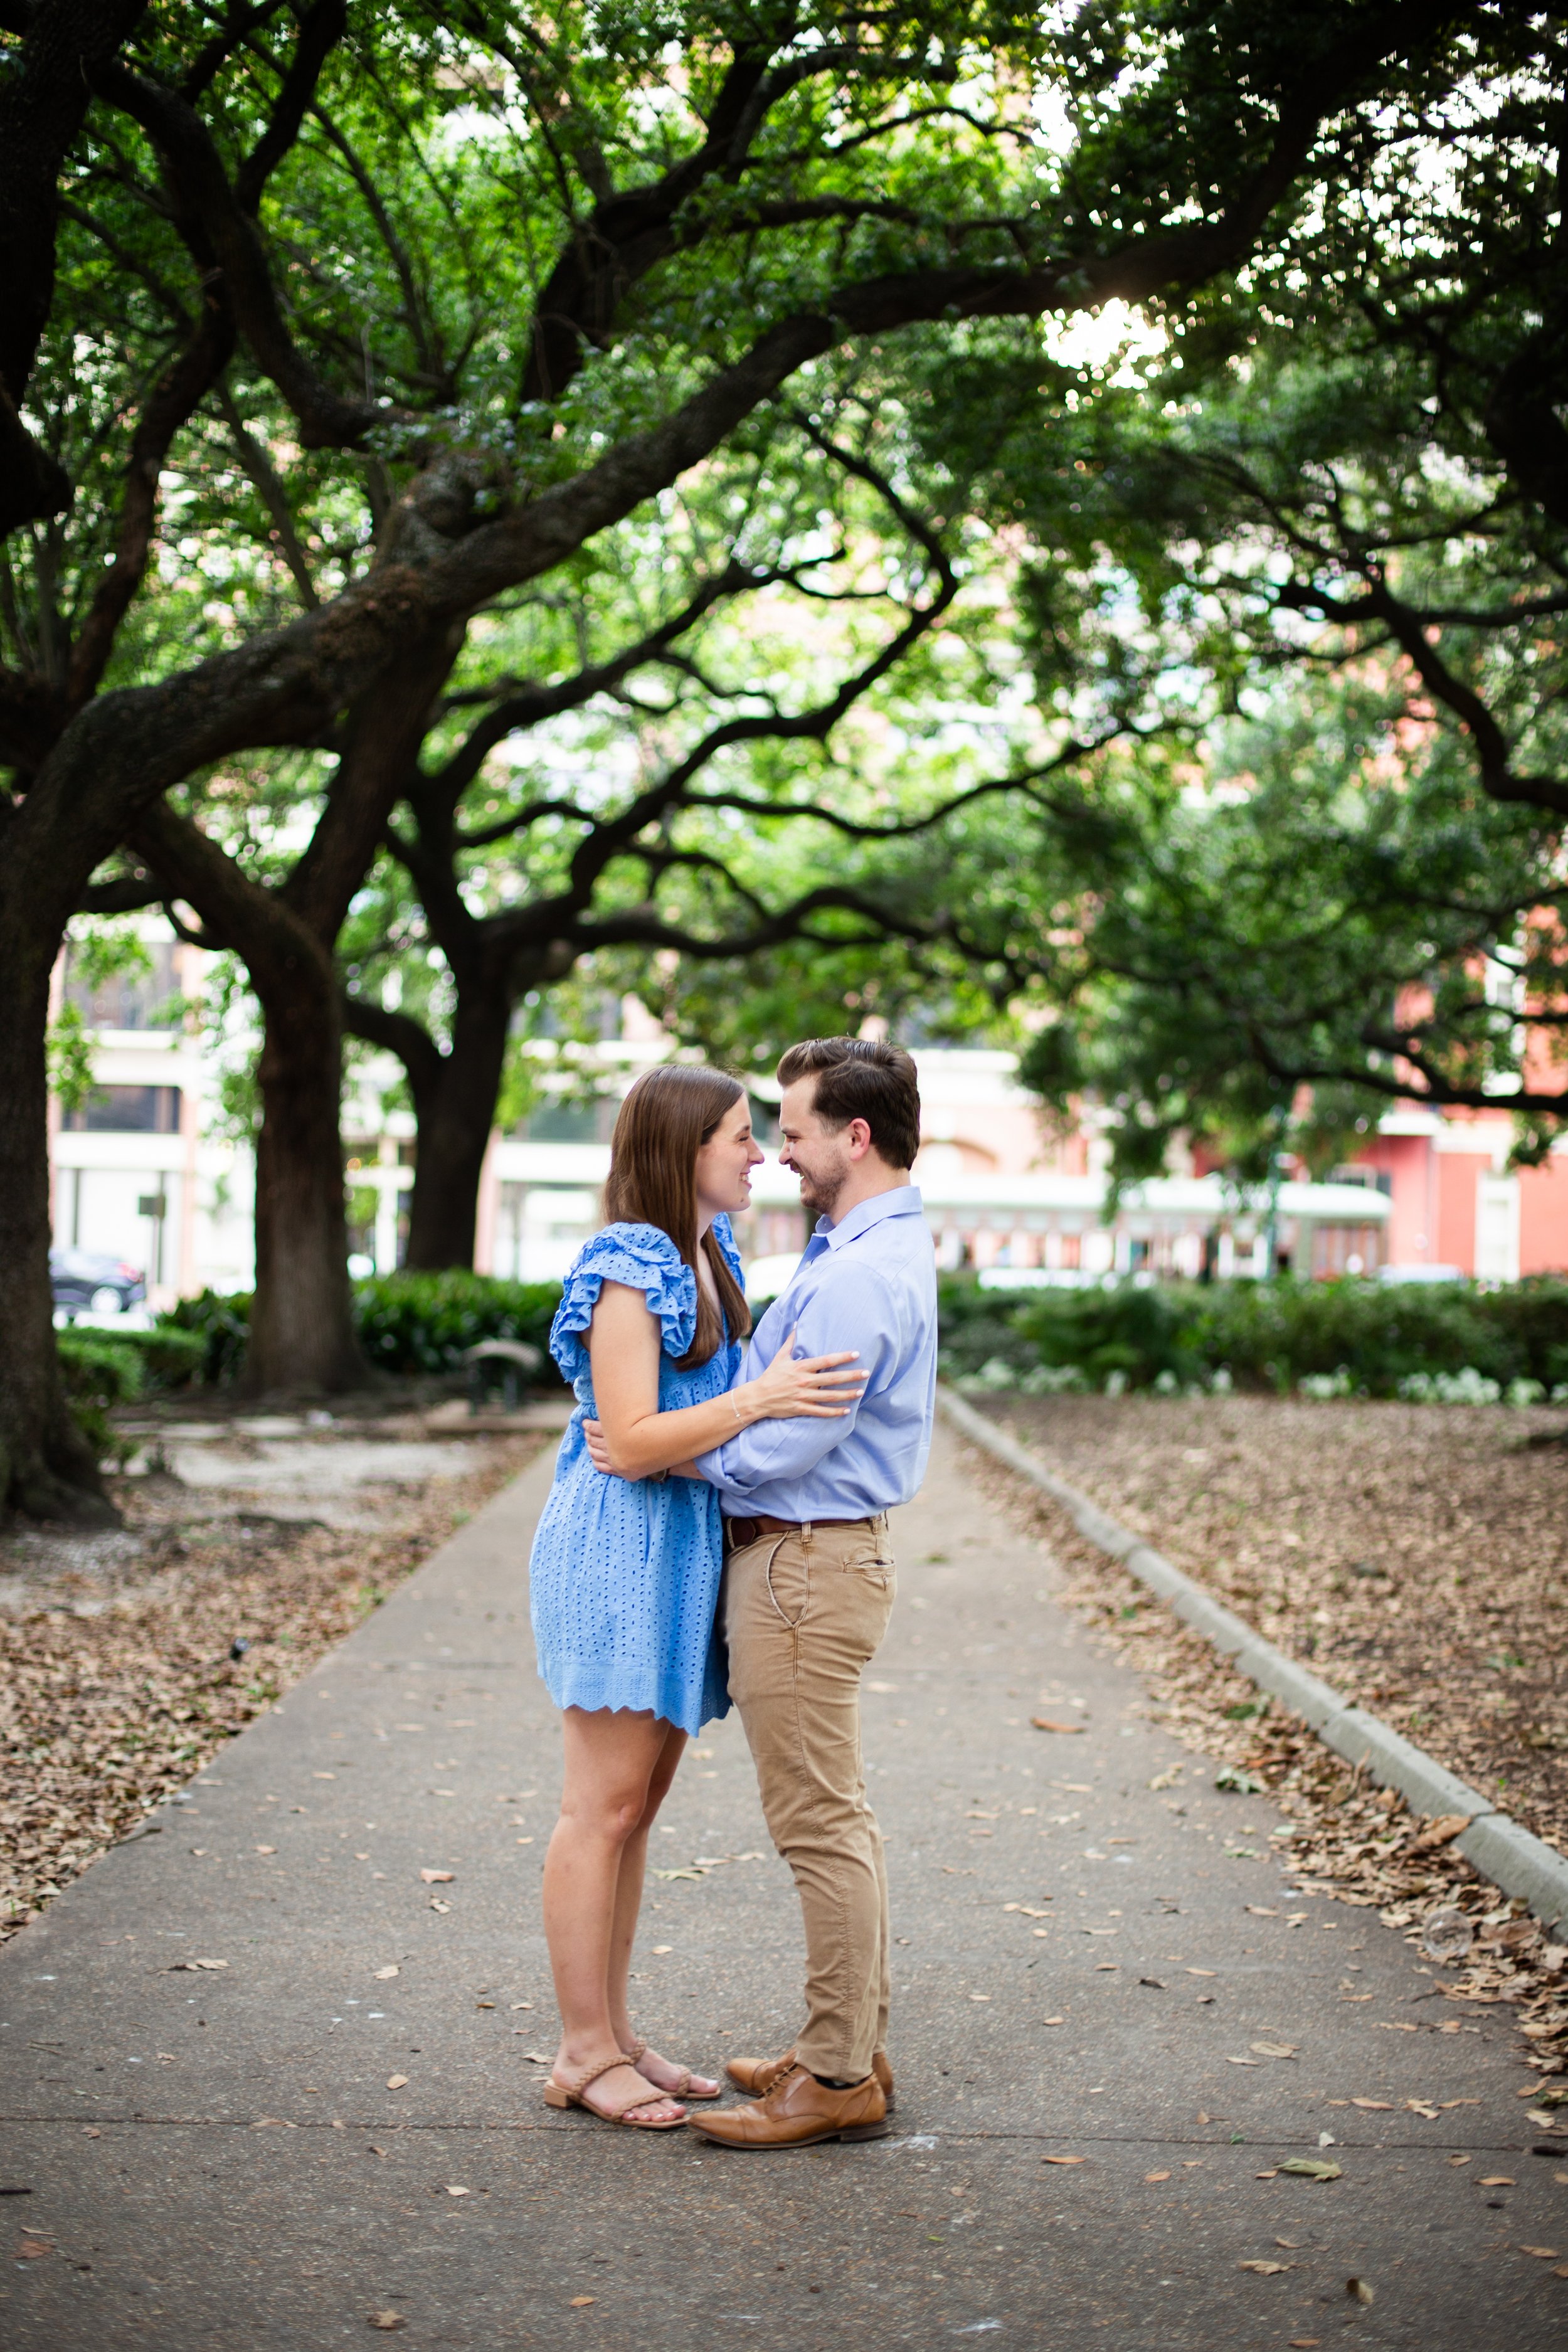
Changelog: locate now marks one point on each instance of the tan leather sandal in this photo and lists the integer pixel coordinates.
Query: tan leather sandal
(683, 2089)
(569, 2094)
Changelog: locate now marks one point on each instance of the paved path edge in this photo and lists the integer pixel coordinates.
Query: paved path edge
(1513, 1857)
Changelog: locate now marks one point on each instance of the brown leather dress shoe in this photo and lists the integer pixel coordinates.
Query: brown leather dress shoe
(798, 2112)
(756, 2076)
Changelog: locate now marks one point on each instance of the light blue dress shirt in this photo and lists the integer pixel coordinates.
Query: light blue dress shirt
(869, 1283)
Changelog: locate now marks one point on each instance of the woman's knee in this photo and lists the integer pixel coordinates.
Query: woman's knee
(614, 1814)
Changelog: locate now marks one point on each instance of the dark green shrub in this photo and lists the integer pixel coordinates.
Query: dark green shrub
(1140, 1333)
(1532, 1317)
(1262, 1335)
(978, 1327)
(100, 1369)
(222, 1327)
(423, 1322)
(408, 1323)
(97, 1374)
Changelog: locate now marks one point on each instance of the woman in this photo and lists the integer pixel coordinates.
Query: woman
(625, 1569)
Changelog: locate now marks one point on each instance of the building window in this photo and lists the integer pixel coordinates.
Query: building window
(145, 997)
(568, 1122)
(127, 1110)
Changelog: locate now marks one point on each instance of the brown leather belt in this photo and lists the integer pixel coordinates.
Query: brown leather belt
(738, 1533)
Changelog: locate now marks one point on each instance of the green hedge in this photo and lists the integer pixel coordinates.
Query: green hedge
(423, 1322)
(220, 1324)
(100, 1369)
(408, 1323)
(1449, 1340)
(1349, 1337)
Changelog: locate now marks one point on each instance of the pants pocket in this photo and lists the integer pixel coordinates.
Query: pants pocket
(788, 1578)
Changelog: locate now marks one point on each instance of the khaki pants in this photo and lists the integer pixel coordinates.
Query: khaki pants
(802, 1615)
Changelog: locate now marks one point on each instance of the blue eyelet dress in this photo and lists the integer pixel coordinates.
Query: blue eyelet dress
(625, 1572)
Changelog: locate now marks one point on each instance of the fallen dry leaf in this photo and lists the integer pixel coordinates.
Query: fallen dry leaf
(453, 2191)
(1045, 1723)
(386, 2319)
(581, 2302)
(1443, 1831)
(1156, 2176)
(1305, 2342)
(661, 1948)
(1359, 2291)
(1312, 2168)
(383, 1975)
(396, 2081)
(1274, 2049)
(437, 1878)
(1544, 2253)
(193, 1965)
(1383, 2105)
(1496, 2180)
(266, 1849)
(28, 2248)
(1265, 2270)
(1064, 2159)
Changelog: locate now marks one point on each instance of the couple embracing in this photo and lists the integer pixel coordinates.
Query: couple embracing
(718, 1530)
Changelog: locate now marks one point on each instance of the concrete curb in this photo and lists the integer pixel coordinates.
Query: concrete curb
(1515, 1859)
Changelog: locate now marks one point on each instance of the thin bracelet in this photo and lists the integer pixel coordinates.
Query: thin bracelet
(735, 1408)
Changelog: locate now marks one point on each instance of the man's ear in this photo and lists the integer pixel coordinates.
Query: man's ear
(857, 1135)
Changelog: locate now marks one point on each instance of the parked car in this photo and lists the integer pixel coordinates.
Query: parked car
(105, 1285)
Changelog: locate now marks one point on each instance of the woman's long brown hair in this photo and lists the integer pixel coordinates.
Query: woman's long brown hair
(666, 1117)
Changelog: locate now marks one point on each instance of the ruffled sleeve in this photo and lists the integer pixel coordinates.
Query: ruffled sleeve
(726, 1241)
(643, 1258)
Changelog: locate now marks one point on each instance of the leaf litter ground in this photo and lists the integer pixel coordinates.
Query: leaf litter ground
(117, 1681)
(1413, 1557)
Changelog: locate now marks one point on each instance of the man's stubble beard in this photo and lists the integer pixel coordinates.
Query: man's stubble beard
(819, 1193)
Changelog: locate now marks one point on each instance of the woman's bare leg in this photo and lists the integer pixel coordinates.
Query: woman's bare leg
(628, 1901)
(611, 1758)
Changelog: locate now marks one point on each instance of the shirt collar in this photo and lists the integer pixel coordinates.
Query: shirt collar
(903, 1201)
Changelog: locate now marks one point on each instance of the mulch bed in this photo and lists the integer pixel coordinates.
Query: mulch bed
(109, 1704)
(1415, 1556)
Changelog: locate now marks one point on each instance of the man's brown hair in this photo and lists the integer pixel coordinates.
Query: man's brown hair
(858, 1077)
(666, 1117)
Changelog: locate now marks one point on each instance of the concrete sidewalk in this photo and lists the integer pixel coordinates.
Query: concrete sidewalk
(263, 2153)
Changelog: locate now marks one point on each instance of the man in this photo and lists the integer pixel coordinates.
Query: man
(808, 1576)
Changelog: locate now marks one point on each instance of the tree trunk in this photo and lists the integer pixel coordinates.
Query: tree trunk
(455, 1113)
(301, 1328)
(47, 1467)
